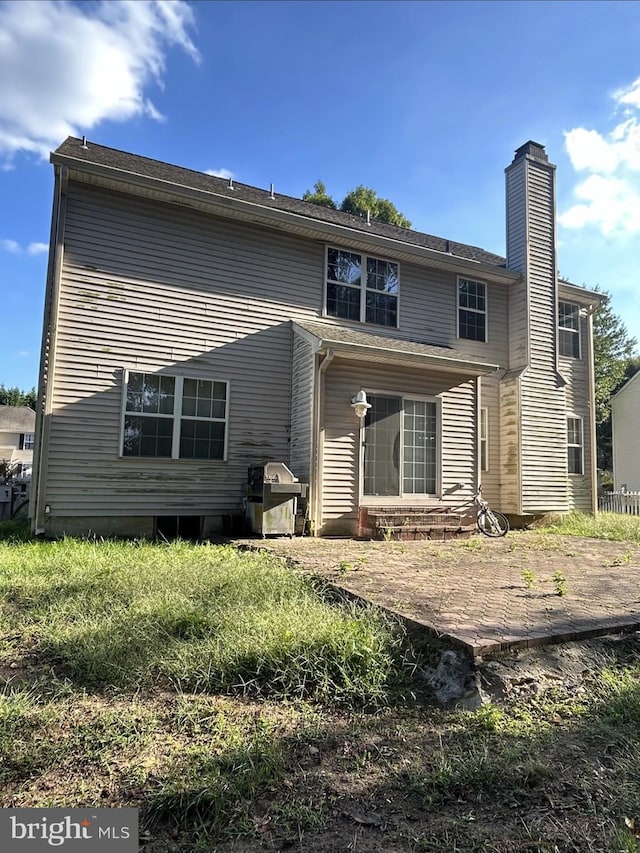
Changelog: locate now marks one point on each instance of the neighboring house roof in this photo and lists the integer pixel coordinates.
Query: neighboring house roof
(121, 161)
(354, 342)
(17, 419)
(626, 385)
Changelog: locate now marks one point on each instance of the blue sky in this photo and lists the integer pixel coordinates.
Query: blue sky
(425, 102)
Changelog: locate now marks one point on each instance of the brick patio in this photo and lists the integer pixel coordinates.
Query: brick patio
(474, 593)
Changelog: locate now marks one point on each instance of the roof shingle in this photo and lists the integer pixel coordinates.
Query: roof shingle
(133, 163)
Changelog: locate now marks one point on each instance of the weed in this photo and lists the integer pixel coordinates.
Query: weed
(559, 583)
(200, 617)
(528, 577)
(604, 525)
(621, 559)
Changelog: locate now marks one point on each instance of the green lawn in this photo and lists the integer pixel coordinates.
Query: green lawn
(222, 694)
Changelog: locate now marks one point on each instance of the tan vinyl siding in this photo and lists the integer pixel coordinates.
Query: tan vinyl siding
(626, 436)
(510, 462)
(531, 249)
(190, 295)
(490, 400)
(517, 236)
(302, 378)
(575, 372)
(342, 435)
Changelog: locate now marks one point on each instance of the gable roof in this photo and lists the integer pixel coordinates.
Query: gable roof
(133, 164)
(17, 419)
(626, 385)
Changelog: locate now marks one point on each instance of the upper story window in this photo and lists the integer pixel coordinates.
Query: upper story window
(27, 441)
(472, 309)
(362, 288)
(174, 417)
(569, 329)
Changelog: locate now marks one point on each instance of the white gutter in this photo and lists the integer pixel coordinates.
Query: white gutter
(48, 352)
(318, 445)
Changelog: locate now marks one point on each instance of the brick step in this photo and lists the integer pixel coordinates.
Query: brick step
(421, 531)
(412, 519)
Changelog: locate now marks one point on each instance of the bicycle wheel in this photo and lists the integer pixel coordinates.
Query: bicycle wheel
(493, 523)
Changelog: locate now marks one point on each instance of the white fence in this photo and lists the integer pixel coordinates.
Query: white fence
(626, 502)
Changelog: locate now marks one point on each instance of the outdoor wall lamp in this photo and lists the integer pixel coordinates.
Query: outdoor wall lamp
(359, 404)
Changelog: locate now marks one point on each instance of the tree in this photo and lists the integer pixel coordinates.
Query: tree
(16, 397)
(614, 364)
(319, 196)
(360, 202)
(363, 200)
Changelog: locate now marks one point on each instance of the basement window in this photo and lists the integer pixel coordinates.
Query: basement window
(174, 417)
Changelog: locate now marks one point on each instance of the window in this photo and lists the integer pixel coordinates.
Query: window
(472, 309)
(174, 417)
(401, 454)
(569, 329)
(27, 441)
(362, 288)
(484, 439)
(575, 455)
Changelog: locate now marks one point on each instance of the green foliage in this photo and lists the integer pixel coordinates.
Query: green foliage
(202, 617)
(605, 525)
(363, 199)
(559, 583)
(16, 397)
(360, 202)
(614, 364)
(319, 196)
(528, 577)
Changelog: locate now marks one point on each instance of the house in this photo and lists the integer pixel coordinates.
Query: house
(17, 431)
(625, 417)
(195, 326)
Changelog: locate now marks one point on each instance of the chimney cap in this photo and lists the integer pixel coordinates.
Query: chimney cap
(533, 149)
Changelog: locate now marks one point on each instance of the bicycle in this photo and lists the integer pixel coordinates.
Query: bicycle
(489, 521)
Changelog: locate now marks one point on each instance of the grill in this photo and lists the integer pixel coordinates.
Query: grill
(272, 495)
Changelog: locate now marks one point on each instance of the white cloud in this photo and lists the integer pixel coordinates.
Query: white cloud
(37, 248)
(609, 198)
(65, 67)
(220, 173)
(15, 248)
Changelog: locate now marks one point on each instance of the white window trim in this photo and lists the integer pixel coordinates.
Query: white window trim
(390, 500)
(581, 446)
(484, 421)
(475, 310)
(577, 331)
(177, 416)
(363, 286)
(31, 436)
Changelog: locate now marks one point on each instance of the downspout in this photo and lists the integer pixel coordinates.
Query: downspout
(48, 349)
(591, 380)
(316, 484)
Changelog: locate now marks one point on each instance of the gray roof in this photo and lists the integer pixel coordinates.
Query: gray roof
(17, 419)
(112, 158)
(345, 337)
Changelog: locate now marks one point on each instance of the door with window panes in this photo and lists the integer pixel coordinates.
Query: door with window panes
(400, 447)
